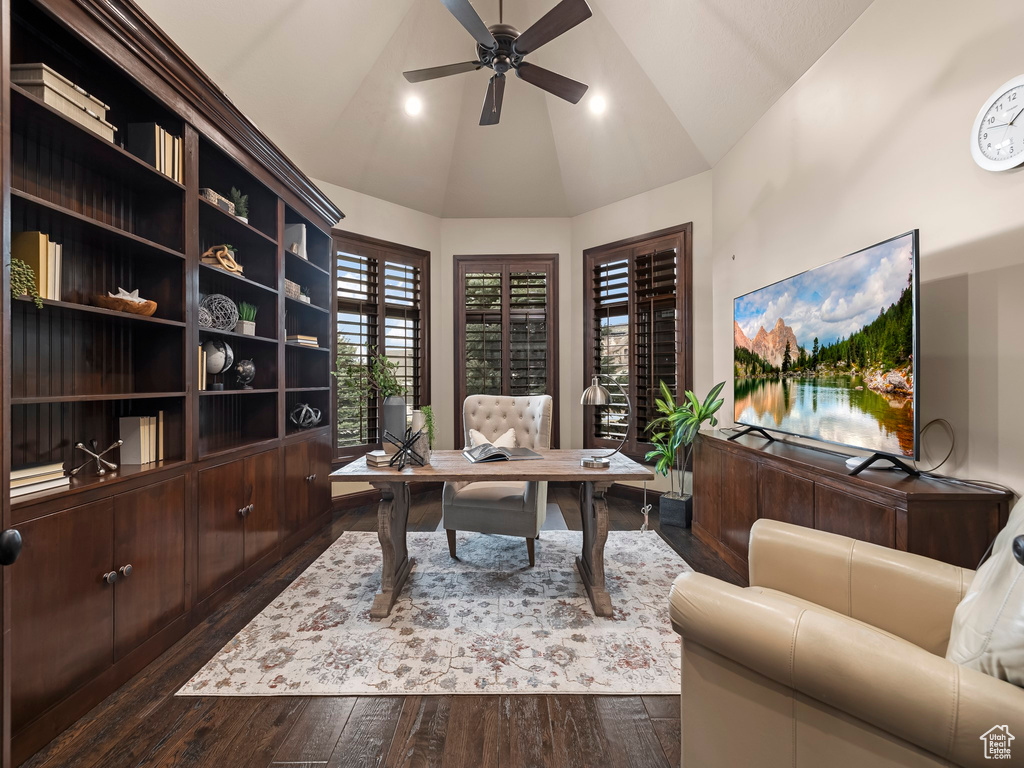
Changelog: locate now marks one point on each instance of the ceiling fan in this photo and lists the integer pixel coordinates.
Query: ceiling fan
(502, 48)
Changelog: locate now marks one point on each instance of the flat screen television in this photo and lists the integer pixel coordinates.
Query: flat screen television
(831, 354)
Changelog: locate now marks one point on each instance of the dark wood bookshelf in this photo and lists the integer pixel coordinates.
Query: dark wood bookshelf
(72, 370)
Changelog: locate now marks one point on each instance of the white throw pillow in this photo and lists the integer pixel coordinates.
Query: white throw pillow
(507, 440)
(988, 625)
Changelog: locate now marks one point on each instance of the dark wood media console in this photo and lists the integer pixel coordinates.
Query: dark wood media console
(736, 482)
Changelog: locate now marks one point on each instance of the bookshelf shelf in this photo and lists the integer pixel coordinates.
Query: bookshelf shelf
(88, 309)
(106, 396)
(293, 345)
(302, 305)
(223, 392)
(209, 271)
(309, 389)
(84, 482)
(42, 117)
(245, 232)
(235, 335)
(304, 265)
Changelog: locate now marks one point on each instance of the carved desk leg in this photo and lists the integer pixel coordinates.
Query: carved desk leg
(594, 510)
(392, 518)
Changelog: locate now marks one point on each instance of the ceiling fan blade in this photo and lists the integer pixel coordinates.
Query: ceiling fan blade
(464, 12)
(432, 73)
(563, 17)
(491, 113)
(552, 82)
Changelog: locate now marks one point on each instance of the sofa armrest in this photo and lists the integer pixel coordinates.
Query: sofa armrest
(846, 664)
(908, 595)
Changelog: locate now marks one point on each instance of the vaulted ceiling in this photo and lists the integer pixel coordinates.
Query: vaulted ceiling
(683, 81)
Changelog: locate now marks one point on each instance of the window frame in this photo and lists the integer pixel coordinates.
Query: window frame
(630, 248)
(505, 263)
(381, 251)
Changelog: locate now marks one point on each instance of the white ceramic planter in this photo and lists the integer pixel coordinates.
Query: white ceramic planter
(246, 327)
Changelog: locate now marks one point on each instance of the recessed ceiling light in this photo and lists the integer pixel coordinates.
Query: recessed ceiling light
(598, 104)
(413, 106)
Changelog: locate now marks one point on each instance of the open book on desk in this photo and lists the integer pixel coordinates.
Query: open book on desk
(488, 452)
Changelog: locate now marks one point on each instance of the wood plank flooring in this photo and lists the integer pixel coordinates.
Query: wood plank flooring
(143, 724)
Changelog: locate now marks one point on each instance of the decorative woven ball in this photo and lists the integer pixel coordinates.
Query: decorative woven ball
(223, 312)
(305, 416)
(219, 356)
(205, 319)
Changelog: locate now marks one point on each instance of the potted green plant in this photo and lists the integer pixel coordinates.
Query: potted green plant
(241, 204)
(383, 380)
(246, 324)
(23, 282)
(673, 435)
(423, 420)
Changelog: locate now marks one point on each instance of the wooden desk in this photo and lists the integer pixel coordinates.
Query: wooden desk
(452, 466)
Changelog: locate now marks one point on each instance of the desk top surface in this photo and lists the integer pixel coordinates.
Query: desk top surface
(452, 466)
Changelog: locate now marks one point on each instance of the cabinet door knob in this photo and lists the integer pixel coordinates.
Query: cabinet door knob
(242, 512)
(110, 577)
(10, 546)
(125, 570)
(251, 508)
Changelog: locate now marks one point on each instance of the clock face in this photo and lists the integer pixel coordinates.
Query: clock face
(997, 142)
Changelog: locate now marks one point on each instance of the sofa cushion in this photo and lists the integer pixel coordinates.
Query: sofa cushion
(506, 440)
(988, 625)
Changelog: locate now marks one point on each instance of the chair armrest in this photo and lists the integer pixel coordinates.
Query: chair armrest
(908, 595)
(881, 679)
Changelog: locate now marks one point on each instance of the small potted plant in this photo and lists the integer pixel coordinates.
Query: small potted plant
(23, 282)
(241, 204)
(246, 324)
(423, 420)
(673, 435)
(304, 295)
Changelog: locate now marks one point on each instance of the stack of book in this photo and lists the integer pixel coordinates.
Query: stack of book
(303, 340)
(45, 258)
(66, 97)
(378, 459)
(152, 144)
(40, 477)
(143, 439)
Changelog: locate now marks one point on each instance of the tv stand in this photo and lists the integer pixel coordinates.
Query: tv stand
(896, 464)
(751, 430)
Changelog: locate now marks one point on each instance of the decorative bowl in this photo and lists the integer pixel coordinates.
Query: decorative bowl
(145, 308)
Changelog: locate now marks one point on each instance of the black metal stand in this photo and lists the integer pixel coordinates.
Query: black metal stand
(748, 430)
(897, 464)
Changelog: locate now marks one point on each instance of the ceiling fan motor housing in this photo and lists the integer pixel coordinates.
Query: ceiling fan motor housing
(504, 57)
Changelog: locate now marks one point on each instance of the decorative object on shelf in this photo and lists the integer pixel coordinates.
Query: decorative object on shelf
(44, 257)
(245, 373)
(126, 301)
(96, 455)
(23, 282)
(222, 257)
(305, 416)
(246, 324)
(205, 318)
(291, 289)
(217, 199)
(295, 239)
(223, 312)
(304, 295)
(241, 203)
(674, 433)
(219, 358)
(596, 395)
(405, 449)
(419, 427)
(72, 101)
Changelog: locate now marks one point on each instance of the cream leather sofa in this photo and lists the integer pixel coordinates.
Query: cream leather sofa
(832, 658)
(509, 508)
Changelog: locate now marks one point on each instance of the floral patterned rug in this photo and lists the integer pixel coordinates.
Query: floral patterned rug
(485, 622)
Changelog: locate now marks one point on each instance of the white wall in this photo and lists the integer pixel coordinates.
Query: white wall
(872, 141)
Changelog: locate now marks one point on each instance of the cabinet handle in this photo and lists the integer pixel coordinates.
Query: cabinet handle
(10, 546)
(243, 511)
(251, 508)
(126, 570)
(110, 577)
(311, 478)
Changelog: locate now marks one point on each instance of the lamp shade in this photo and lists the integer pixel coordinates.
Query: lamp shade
(595, 394)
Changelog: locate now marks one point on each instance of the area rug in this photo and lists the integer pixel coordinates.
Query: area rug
(486, 622)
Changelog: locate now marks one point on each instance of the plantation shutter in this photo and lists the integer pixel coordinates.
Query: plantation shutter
(505, 328)
(380, 305)
(638, 305)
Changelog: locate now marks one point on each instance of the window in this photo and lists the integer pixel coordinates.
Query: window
(380, 304)
(637, 317)
(506, 327)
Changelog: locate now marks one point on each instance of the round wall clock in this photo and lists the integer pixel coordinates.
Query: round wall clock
(997, 142)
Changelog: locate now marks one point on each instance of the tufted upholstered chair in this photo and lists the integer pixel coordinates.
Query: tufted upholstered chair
(508, 508)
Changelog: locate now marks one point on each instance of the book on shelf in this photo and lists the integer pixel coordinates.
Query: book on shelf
(152, 144)
(44, 257)
(44, 485)
(35, 474)
(142, 438)
(303, 340)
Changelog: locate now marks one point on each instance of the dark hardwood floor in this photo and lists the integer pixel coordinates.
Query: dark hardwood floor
(144, 724)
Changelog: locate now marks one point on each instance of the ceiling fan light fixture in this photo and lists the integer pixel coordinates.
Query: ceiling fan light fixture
(598, 104)
(413, 106)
